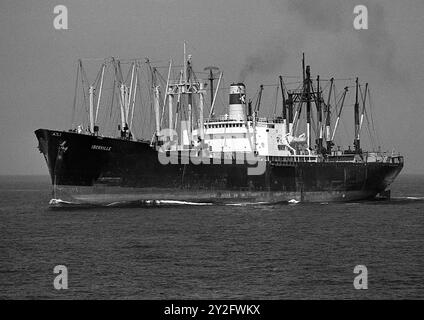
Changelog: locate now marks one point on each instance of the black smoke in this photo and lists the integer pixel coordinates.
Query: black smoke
(375, 47)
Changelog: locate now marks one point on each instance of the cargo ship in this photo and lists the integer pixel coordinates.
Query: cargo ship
(192, 155)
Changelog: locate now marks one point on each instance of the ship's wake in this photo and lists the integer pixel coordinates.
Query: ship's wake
(408, 199)
(398, 200)
(65, 204)
(59, 203)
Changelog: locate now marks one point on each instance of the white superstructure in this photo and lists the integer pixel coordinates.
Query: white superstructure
(239, 132)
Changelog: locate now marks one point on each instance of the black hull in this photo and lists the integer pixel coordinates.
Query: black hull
(133, 169)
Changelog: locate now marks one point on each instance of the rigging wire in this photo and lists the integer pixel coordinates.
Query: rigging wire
(142, 103)
(75, 97)
(372, 118)
(276, 100)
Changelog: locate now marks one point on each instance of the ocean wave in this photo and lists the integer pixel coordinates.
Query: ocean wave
(410, 198)
(243, 204)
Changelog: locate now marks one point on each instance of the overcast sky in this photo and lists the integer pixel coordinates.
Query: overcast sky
(251, 40)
